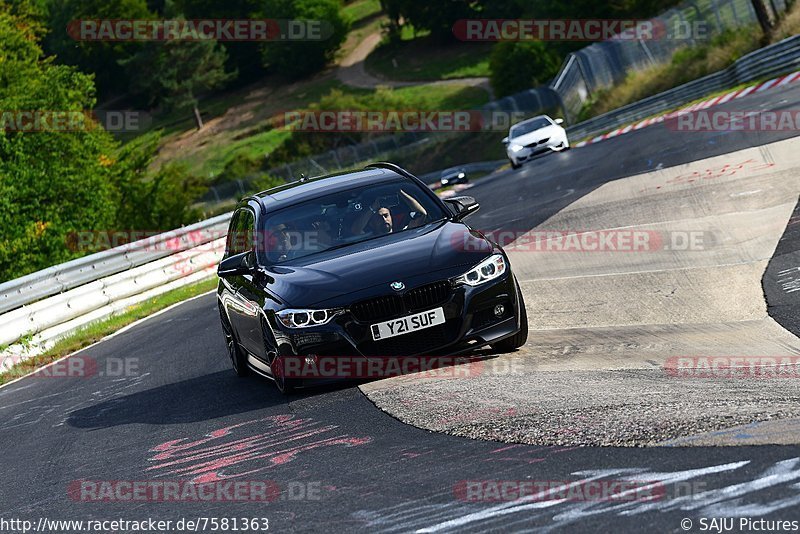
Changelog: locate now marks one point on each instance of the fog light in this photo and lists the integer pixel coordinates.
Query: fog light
(499, 310)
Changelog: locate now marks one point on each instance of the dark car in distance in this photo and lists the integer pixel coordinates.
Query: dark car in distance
(453, 176)
(361, 265)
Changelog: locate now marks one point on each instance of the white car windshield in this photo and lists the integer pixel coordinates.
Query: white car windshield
(529, 126)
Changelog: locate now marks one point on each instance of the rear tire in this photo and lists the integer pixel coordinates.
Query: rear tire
(520, 338)
(238, 359)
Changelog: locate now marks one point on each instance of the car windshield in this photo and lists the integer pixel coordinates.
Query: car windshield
(344, 218)
(529, 126)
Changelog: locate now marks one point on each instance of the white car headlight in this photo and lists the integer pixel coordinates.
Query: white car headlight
(515, 148)
(488, 269)
(306, 318)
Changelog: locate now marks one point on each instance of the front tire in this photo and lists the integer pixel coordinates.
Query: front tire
(520, 338)
(278, 367)
(238, 359)
(514, 165)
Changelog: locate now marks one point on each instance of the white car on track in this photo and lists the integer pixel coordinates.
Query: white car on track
(533, 137)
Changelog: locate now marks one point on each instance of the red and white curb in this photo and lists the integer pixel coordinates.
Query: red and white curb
(705, 104)
(453, 192)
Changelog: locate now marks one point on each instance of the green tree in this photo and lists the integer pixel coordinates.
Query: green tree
(516, 66)
(177, 72)
(101, 58)
(157, 200)
(51, 182)
(297, 59)
(54, 183)
(438, 16)
(244, 57)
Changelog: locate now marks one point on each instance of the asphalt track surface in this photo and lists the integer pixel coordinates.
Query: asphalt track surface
(179, 413)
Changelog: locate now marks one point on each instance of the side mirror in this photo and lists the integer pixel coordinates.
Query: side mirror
(237, 265)
(505, 141)
(559, 121)
(463, 205)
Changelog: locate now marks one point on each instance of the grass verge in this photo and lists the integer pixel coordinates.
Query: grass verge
(96, 331)
(423, 59)
(686, 65)
(359, 10)
(256, 140)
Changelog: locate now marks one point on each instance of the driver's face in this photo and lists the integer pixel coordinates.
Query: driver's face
(385, 220)
(281, 237)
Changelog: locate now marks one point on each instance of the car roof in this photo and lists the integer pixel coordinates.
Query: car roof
(298, 191)
(533, 119)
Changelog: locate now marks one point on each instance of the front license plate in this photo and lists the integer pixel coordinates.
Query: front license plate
(408, 324)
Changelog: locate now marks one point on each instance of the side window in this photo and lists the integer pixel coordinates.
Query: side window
(241, 238)
(248, 230)
(229, 243)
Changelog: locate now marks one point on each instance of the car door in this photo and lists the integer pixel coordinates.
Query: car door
(251, 293)
(241, 311)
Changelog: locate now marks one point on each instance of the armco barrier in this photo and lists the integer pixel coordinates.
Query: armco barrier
(53, 302)
(59, 278)
(44, 314)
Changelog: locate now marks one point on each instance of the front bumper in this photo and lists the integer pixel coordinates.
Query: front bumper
(529, 153)
(470, 322)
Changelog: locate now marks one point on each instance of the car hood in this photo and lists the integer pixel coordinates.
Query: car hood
(414, 257)
(535, 135)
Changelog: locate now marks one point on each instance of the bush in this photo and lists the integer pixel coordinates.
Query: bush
(52, 183)
(298, 59)
(157, 200)
(517, 66)
(240, 166)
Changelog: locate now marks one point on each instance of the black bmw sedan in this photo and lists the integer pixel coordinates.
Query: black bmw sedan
(360, 267)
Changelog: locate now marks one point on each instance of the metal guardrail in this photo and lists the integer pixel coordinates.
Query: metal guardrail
(773, 60)
(60, 278)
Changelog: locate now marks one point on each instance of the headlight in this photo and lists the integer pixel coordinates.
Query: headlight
(461, 175)
(488, 269)
(306, 318)
(515, 148)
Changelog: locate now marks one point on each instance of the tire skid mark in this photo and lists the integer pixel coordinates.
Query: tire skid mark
(286, 437)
